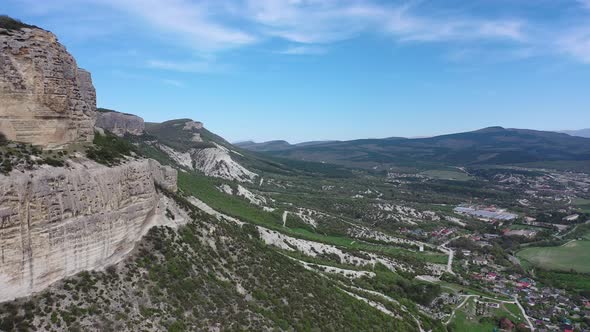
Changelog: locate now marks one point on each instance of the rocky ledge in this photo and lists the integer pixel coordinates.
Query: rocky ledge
(119, 123)
(56, 222)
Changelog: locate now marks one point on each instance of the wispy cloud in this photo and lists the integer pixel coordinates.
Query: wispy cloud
(174, 83)
(487, 55)
(188, 20)
(585, 3)
(212, 26)
(304, 50)
(576, 44)
(185, 67)
(328, 21)
(427, 30)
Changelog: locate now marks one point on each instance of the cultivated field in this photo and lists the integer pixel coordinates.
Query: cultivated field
(572, 256)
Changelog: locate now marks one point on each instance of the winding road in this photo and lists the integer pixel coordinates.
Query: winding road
(443, 247)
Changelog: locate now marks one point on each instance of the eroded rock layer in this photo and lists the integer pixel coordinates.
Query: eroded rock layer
(45, 99)
(56, 222)
(120, 123)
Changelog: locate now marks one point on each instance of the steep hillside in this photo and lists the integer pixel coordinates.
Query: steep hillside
(494, 145)
(193, 147)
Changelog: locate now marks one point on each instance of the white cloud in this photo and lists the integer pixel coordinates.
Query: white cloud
(174, 83)
(207, 27)
(487, 55)
(185, 67)
(333, 20)
(186, 20)
(435, 31)
(576, 44)
(303, 50)
(585, 3)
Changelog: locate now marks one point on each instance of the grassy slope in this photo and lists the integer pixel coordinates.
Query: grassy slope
(204, 188)
(179, 282)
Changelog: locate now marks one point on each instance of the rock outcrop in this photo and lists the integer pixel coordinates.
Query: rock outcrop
(190, 125)
(119, 123)
(214, 161)
(45, 99)
(55, 222)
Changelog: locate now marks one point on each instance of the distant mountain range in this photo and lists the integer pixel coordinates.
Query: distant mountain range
(580, 133)
(276, 145)
(493, 146)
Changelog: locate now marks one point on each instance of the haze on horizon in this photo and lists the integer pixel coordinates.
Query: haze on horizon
(331, 70)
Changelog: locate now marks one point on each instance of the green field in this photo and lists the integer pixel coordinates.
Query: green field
(573, 255)
(464, 323)
(466, 318)
(447, 174)
(521, 226)
(583, 204)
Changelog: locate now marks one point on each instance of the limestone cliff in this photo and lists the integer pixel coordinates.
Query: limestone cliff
(55, 222)
(119, 123)
(45, 99)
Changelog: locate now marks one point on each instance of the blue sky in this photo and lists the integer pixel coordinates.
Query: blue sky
(331, 69)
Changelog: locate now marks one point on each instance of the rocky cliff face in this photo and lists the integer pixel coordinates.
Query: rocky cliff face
(120, 123)
(45, 99)
(56, 222)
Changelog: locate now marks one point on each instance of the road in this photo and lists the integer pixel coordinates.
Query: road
(450, 252)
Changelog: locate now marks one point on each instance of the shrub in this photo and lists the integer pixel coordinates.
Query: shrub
(53, 162)
(10, 23)
(3, 139)
(109, 149)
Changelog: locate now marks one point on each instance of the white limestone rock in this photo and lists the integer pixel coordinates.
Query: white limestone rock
(56, 222)
(120, 123)
(45, 99)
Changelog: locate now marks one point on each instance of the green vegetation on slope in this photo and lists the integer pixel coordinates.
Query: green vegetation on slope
(10, 23)
(205, 189)
(180, 281)
(109, 149)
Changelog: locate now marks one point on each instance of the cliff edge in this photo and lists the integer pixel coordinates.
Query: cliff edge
(56, 222)
(45, 99)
